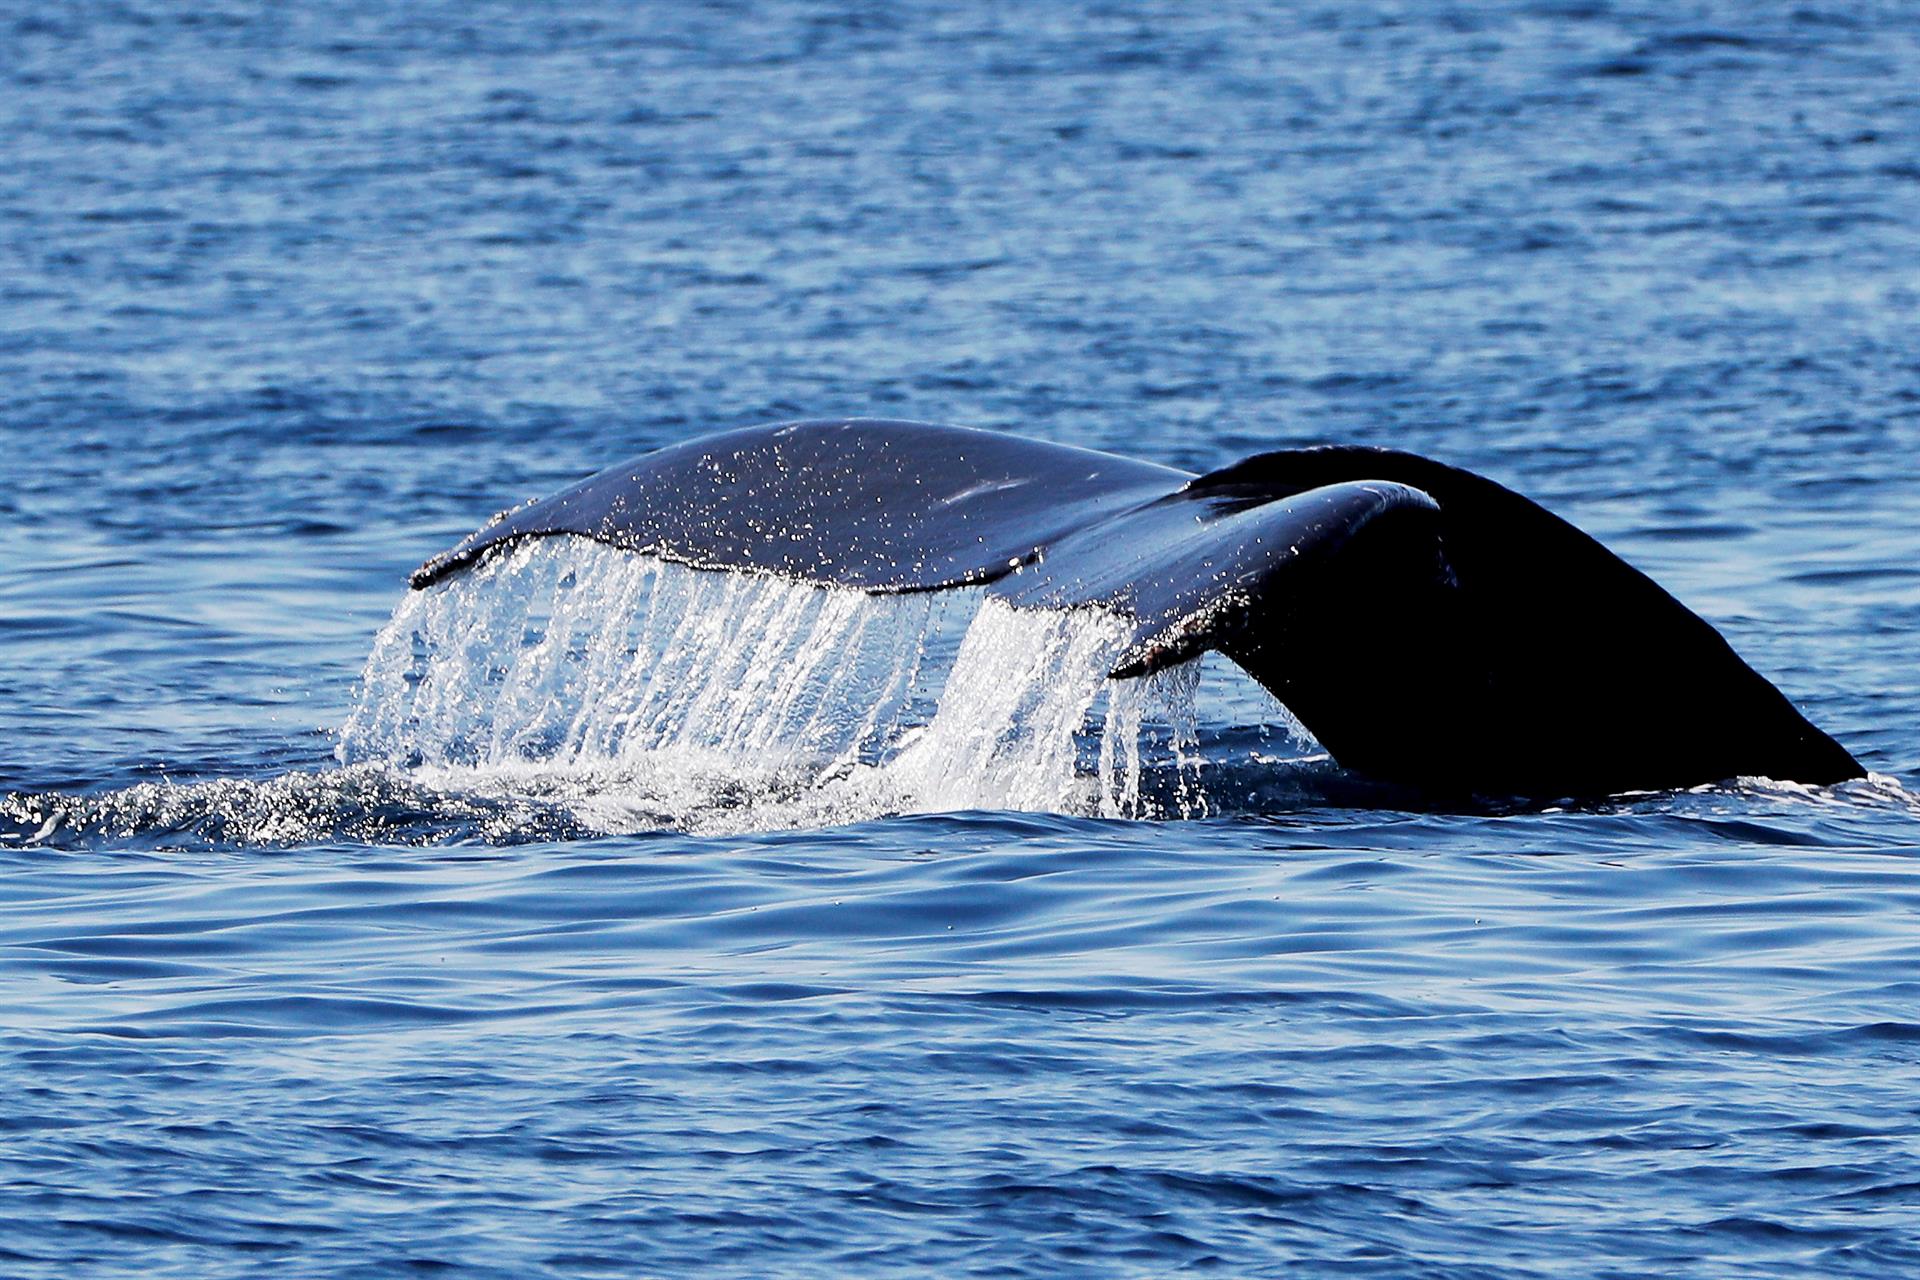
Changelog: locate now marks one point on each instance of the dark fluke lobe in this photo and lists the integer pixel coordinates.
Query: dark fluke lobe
(1429, 626)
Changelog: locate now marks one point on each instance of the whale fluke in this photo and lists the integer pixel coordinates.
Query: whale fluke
(1429, 626)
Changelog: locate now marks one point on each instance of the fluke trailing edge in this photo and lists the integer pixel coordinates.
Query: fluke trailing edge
(1429, 626)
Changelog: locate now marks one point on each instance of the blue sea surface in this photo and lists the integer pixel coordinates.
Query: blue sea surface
(292, 297)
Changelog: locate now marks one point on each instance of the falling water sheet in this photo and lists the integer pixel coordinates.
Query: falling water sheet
(667, 696)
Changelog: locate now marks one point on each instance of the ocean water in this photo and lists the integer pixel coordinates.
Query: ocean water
(348, 932)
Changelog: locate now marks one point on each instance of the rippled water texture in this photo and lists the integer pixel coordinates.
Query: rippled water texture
(353, 933)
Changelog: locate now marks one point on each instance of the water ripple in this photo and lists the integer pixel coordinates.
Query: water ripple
(296, 295)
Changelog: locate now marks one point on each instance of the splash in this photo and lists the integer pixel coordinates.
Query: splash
(644, 694)
(363, 803)
(569, 689)
(575, 655)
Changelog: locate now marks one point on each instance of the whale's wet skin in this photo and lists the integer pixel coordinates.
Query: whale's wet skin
(1432, 626)
(582, 915)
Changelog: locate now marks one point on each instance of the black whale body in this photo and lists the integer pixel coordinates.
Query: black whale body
(1429, 626)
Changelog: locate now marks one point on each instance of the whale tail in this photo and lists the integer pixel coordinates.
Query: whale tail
(1429, 626)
